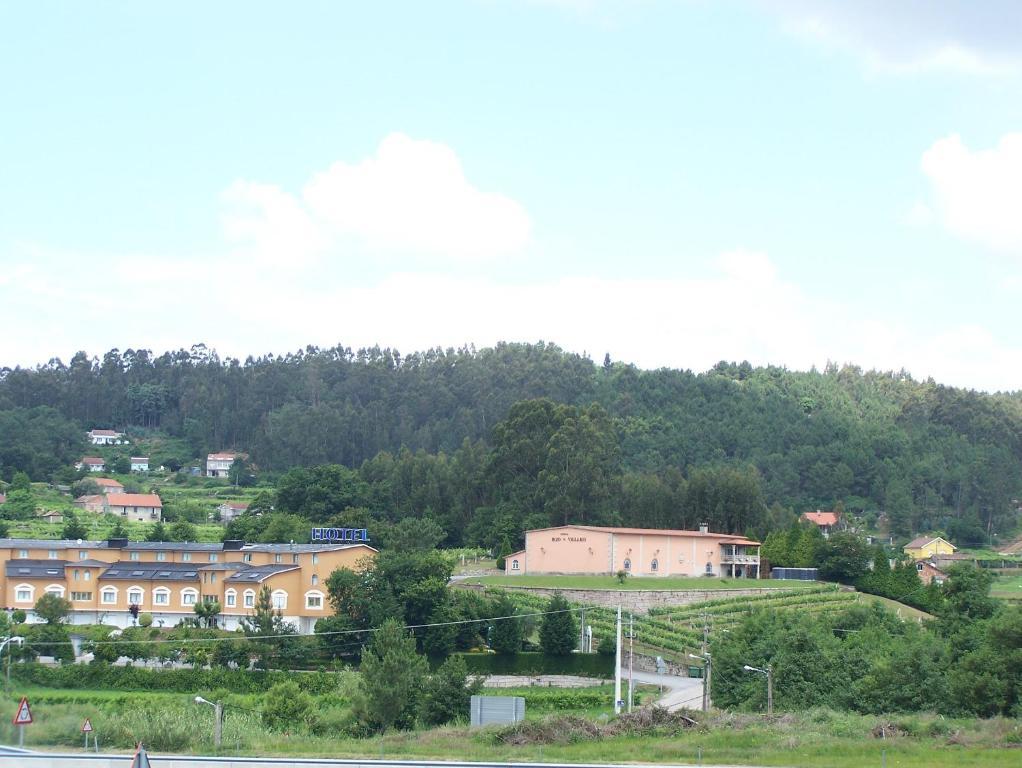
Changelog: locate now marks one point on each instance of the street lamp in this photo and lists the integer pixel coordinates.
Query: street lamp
(769, 672)
(707, 673)
(218, 720)
(4, 642)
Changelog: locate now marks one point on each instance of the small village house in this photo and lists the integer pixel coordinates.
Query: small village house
(105, 437)
(92, 503)
(925, 547)
(51, 516)
(108, 485)
(929, 572)
(827, 522)
(139, 463)
(91, 463)
(231, 509)
(219, 464)
(141, 507)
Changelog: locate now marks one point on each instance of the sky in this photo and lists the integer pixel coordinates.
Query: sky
(671, 183)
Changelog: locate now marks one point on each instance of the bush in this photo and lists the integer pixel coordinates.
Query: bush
(584, 664)
(145, 619)
(286, 708)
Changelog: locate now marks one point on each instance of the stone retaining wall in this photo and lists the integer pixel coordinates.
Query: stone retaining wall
(637, 600)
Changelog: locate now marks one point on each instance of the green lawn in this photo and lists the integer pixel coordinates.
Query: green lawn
(1007, 587)
(634, 582)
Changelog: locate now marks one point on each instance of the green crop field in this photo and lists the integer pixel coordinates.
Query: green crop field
(657, 583)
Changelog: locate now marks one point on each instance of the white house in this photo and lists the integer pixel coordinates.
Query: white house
(91, 463)
(105, 437)
(139, 463)
(219, 464)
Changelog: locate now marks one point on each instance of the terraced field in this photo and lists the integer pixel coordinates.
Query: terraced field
(677, 631)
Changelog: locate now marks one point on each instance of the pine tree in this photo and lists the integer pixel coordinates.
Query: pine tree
(74, 528)
(558, 634)
(158, 532)
(391, 677)
(506, 634)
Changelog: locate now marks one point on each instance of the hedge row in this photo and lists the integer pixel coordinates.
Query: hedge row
(107, 677)
(582, 664)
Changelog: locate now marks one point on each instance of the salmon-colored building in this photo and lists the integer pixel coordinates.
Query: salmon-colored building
(102, 579)
(590, 549)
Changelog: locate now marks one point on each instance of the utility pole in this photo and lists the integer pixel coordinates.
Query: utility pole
(707, 682)
(617, 667)
(770, 689)
(582, 629)
(631, 649)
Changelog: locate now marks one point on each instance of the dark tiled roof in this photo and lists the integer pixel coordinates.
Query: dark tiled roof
(299, 549)
(35, 569)
(133, 569)
(258, 573)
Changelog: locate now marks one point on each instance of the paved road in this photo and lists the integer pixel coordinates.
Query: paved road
(679, 692)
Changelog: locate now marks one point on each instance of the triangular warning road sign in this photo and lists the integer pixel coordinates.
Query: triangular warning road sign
(23, 714)
(87, 726)
(141, 759)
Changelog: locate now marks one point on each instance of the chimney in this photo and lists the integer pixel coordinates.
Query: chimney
(233, 544)
(116, 543)
(704, 528)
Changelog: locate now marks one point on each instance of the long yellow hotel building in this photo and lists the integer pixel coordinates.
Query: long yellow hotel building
(102, 579)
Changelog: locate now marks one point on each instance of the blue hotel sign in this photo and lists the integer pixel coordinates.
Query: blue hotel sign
(340, 534)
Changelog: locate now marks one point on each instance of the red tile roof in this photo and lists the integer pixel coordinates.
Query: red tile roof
(822, 518)
(105, 433)
(92, 460)
(107, 482)
(134, 500)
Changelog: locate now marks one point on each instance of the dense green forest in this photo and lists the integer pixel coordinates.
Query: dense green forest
(525, 433)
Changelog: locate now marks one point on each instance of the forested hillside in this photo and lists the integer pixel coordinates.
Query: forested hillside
(633, 447)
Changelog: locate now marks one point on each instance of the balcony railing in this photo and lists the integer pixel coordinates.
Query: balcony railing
(727, 557)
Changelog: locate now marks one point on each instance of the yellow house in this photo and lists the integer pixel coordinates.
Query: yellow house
(925, 547)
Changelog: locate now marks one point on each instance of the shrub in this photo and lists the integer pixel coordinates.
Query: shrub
(286, 707)
(145, 619)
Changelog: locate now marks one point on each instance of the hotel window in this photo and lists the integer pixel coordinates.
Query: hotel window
(249, 598)
(22, 553)
(315, 558)
(247, 557)
(654, 565)
(709, 568)
(212, 578)
(55, 589)
(88, 574)
(277, 558)
(189, 596)
(161, 556)
(186, 557)
(81, 596)
(231, 598)
(315, 579)
(108, 596)
(279, 598)
(213, 558)
(294, 559)
(133, 555)
(83, 555)
(514, 565)
(314, 600)
(23, 593)
(161, 596)
(135, 596)
(52, 554)
(76, 574)
(628, 564)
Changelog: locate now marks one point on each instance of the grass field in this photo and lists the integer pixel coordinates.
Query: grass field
(1007, 587)
(632, 582)
(814, 739)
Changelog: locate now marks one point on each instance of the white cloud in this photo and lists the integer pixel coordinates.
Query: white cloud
(747, 309)
(908, 36)
(410, 198)
(979, 193)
